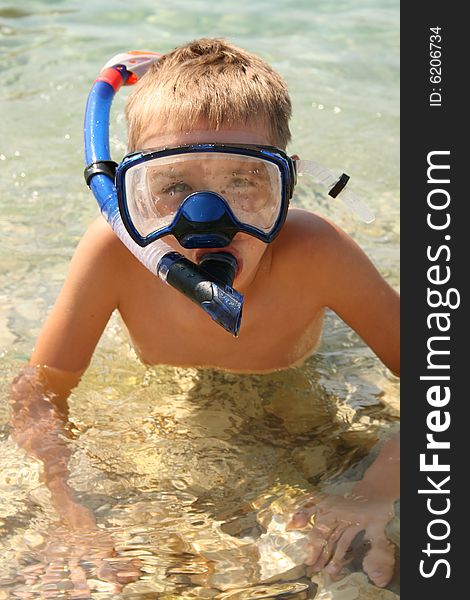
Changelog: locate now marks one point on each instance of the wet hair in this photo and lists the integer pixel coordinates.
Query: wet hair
(212, 80)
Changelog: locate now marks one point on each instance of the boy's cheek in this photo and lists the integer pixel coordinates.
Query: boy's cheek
(251, 251)
(249, 245)
(251, 248)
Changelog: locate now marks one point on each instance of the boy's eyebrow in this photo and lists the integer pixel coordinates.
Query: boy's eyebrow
(157, 173)
(168, 174)
(237, 167)
(181, 174)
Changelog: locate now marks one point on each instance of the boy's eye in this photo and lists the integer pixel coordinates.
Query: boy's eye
(176, 188)
(240, 182)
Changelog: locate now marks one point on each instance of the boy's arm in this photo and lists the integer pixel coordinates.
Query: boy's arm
(340, 276)
(64, 348)
(382, 478)
(85, 303)
(338, 521)
(352, 287)
(38, 401)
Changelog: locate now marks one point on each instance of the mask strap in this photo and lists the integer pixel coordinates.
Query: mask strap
(337, 187)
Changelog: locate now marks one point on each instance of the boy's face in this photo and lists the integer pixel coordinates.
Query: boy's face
(247, 249)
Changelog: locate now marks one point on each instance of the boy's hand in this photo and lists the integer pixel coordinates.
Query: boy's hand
(335, 522)
(76, 559)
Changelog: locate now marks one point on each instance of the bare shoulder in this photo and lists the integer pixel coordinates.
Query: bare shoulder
(91, 292)
(319, 253)
(308, 234)
(101, 259)
(100, 238)
(319, 258)
(101, 247)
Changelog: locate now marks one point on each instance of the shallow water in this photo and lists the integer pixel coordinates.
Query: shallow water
(186, 467)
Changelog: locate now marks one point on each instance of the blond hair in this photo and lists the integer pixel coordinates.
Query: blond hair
(212, 80)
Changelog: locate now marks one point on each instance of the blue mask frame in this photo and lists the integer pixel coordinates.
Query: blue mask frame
(189, 234)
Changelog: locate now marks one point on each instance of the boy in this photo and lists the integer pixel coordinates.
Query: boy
(209, 91)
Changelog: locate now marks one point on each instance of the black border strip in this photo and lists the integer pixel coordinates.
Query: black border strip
(430, 128)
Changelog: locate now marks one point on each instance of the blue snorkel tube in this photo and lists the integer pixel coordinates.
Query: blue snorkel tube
(208, 286)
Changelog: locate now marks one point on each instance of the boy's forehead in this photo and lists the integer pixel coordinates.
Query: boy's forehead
(251, 133)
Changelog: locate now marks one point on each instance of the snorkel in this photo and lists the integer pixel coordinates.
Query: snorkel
(204, 219)
(208, 286)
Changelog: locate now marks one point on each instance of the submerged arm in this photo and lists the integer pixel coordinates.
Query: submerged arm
(39, 420)
(337, 274)
(382, 478)
(343, 278)
(40, 426)
(353, 287)
(39, 394)
(339, 520)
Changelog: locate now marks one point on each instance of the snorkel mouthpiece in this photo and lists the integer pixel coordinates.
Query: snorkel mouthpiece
(207, 285)
(221, 266)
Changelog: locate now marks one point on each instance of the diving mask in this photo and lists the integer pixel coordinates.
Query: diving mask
(204, 194)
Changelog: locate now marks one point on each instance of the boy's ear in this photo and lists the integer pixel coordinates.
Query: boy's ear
(295, 157)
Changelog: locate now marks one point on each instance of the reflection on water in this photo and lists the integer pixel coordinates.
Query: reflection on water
(193, 474)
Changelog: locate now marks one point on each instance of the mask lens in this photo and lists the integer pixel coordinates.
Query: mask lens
(156, 188)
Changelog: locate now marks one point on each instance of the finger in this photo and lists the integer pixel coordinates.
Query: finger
(34, 569)
(328, 549)
(301, 516)
(340, 558)
(106, 569)
(54, 572)
(319, 536)
(81, 588)
(31, 573)
(130, 568)
(298, 520)
(128, 574)
(119, 569)
(380, 560)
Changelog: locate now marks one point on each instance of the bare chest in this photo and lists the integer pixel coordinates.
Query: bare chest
(166, 328)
